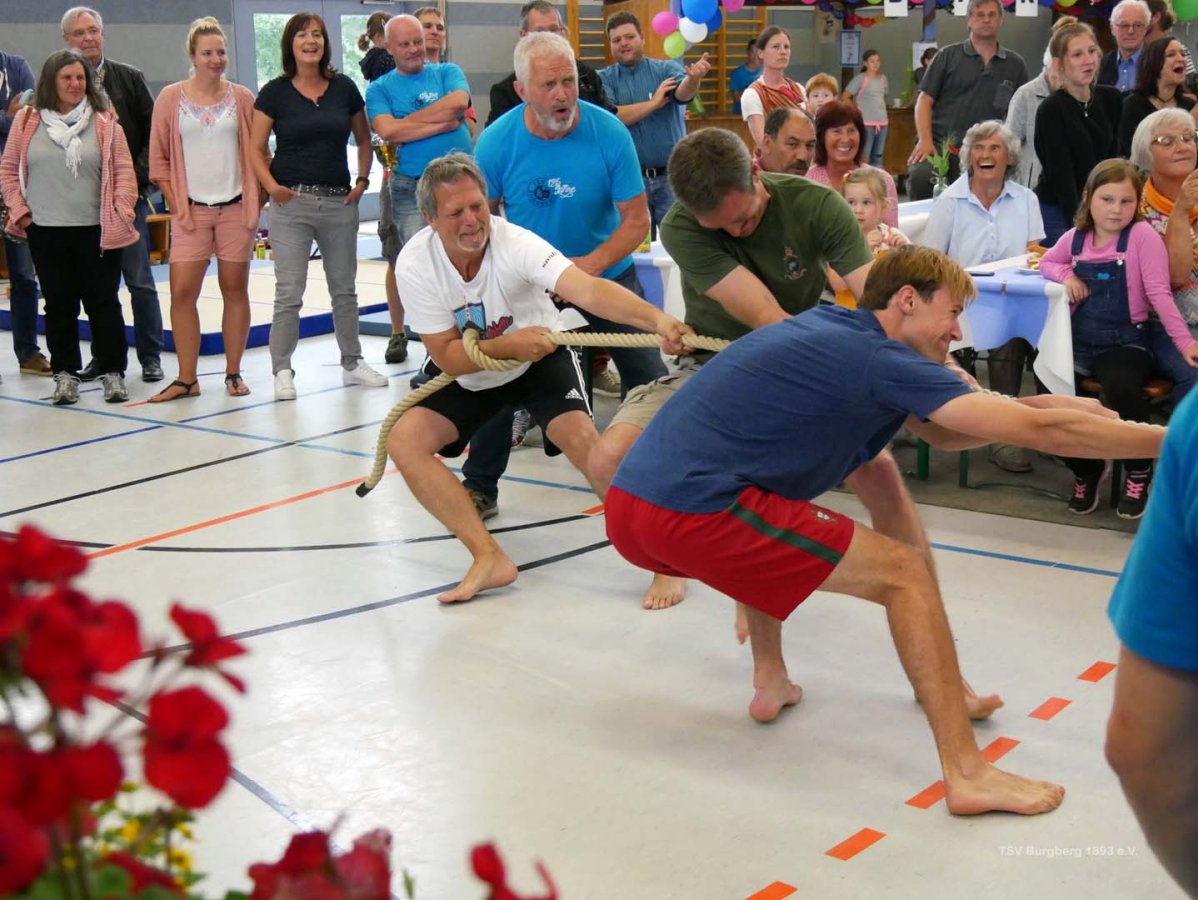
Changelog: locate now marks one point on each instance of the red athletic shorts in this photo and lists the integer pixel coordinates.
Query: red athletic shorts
(768, 552)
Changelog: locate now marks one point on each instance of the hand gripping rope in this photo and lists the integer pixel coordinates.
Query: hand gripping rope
(470, 340)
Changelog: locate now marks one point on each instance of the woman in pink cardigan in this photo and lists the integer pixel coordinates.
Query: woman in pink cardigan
(199, 147)
(70, 188)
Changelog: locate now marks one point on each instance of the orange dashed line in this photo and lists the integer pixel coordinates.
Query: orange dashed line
(593, 511)
(1049, 708)
(1097, 672)
(775, 891)
(862, 840)
(136, 403)
(934, 793)
(220, 520)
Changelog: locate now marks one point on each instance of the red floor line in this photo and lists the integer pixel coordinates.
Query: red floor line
(862, 840)
(934, 793)
(1049, 708)
(775, 891)
(220, 520)
(593, 511)
(1097, 672)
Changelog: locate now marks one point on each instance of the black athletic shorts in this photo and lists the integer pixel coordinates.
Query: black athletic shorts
(548, 388)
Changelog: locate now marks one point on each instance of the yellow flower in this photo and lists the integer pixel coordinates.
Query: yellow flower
(179, 859)
(129, 831)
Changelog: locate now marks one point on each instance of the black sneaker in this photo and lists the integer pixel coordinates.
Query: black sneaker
(397, 349)
(1134, 496)
(90, 372)
(1085, 491)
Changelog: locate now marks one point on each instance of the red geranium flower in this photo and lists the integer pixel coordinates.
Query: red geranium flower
(94, 772)
(24, 851)
(304, 872)
(35, 556)
(365, 871)
(183, 757)
(488, 866)
(208, 648)
(141, 875)
(47, 794)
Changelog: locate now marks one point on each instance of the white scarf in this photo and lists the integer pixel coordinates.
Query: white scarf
(64, 130)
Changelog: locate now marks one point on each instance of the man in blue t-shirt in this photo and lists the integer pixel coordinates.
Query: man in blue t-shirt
(719, 486)
(567, 171)
(650, 97)
(745, 74)
(1152, 739)
(420, 107)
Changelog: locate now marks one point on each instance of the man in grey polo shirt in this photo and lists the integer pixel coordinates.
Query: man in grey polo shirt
(966, 83)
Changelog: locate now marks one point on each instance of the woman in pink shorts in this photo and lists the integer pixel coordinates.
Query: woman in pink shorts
(199, 158)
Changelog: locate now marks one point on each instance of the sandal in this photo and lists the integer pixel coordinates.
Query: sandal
(190, 389)
(235, 386)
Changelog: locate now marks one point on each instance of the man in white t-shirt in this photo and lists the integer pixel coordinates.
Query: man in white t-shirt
(471, 270)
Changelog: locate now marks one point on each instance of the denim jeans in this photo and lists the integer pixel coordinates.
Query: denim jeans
(147, 313)
(405, 213)
(23, 302)
(491, 445)
(1169, 361)
(875, 145)
(660, 199)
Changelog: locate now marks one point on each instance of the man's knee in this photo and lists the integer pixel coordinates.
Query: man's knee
(608, 453)
(878, 481)
(413, 439)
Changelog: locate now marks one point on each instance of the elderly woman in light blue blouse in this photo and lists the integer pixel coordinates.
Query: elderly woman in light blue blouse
(984, 216)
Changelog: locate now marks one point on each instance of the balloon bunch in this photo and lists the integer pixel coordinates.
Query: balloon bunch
(687, 22)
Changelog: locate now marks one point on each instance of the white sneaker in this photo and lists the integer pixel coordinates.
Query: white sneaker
(66, 389)
(607, 383)
(363, 374)
(114, 387)
(285, 384)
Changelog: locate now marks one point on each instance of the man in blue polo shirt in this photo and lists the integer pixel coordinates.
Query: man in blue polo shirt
(420, 107)
(566, 171)
(650, 97)
(720, 485)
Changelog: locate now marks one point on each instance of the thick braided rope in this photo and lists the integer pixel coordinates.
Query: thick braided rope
(470, 342)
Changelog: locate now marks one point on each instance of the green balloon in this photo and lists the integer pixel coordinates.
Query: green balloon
(1186, 9)
(675, 44)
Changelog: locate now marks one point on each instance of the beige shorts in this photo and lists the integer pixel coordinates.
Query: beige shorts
(642, 403)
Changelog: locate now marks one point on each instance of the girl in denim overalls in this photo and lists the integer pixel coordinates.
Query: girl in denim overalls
(1115, 268)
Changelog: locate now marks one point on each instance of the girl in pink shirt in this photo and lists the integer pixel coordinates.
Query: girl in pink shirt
(1115, 270)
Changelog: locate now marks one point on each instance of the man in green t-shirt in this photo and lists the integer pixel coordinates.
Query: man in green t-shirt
(754, 249)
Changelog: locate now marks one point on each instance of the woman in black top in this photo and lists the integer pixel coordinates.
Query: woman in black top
(312, 111)
(1159, 79)
(1076, 126)
(377, 62)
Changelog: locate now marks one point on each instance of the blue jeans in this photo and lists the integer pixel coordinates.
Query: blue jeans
(1169, 361)
(135, 267)
(875, 145)
(23, 302)
(660, 199)
(491, 445)
(405, 213)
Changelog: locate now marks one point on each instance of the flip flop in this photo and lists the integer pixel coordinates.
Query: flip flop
(235, 386)
(190, 389)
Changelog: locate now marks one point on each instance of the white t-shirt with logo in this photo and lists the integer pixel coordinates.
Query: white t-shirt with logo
(510, 291)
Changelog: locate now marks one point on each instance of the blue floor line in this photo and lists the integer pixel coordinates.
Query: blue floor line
(1028, 560)
(97, 440)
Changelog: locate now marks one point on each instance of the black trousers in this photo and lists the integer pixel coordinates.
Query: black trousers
(1123, 373)
(72, 269)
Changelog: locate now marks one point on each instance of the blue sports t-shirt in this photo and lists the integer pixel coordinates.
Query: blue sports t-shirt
(1155, 608)
(399, 95)
(791, 408)
(564, 190)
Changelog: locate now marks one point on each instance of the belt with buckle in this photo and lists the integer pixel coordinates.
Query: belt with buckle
(236, 199)
(319, 190)
(653, 171)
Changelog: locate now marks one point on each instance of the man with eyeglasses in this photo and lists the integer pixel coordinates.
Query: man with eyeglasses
(1129, 22)
(126, 88)
(538, 16)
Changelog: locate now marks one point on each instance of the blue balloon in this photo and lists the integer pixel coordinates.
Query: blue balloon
(700, 10)
(714, 23)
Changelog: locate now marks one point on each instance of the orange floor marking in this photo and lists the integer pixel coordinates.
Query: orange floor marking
(1049, 708)
(992, 753)
(775, 891)
(1097, 672)
(862, 840)
(593, 511)
(220, 520)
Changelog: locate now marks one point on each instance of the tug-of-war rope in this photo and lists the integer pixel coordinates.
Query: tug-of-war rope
(470, 339)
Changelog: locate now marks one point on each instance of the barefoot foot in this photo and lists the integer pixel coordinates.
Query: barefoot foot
(769, 700)
(980, 707)
(993, 790)
(664, 592)
(489, 571)
(742, 623)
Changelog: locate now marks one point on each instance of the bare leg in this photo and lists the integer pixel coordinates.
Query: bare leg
(879, 486)
(1152, 744)
(185, 280)
(575, 434)
(234, 279)
(413, 444)
(665, 590)
(772, 688)
(896, 576)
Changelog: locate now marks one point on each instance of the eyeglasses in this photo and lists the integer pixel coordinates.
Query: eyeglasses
(1168, 140)
(552, 29)
(1130, 26)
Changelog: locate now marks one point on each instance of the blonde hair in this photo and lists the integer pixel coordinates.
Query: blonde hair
(925, 269)
(1064, 30)
(823, 80)
(203, 27)
(872, 179)
(374, 27)
(1109, 171)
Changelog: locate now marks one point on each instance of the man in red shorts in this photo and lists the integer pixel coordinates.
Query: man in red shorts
(719, 486)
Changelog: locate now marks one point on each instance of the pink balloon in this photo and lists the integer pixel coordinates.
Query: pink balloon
(733, 5)
(665, 22)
